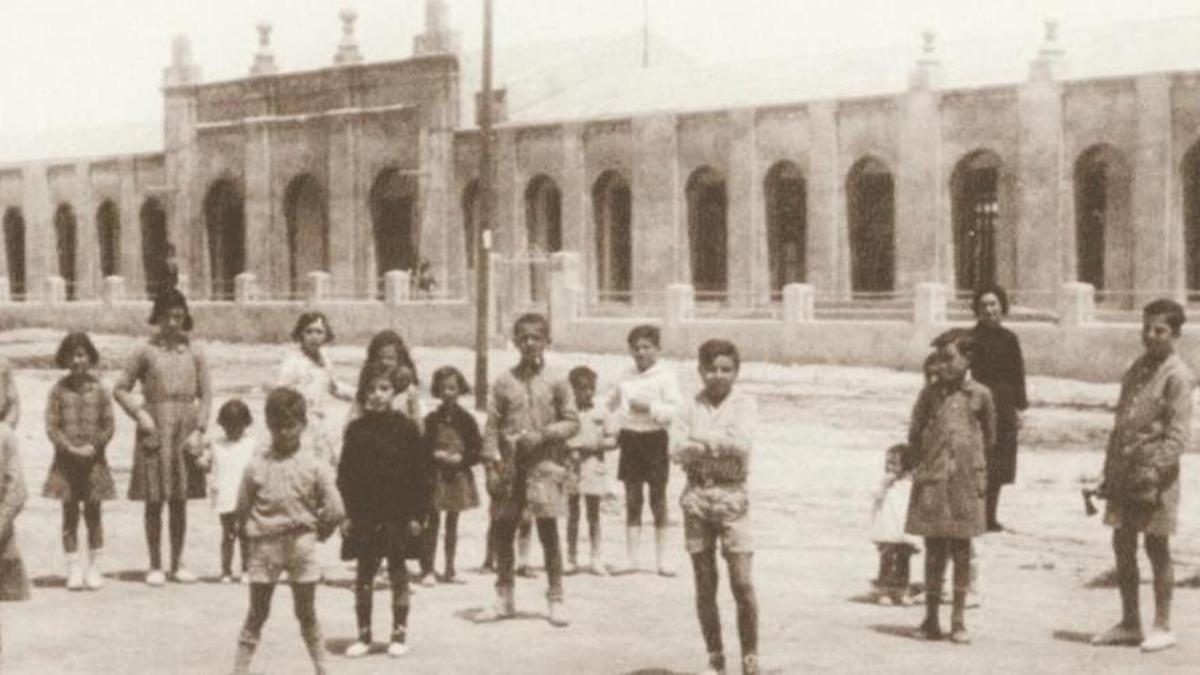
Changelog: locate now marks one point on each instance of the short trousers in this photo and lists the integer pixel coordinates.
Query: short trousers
(291, 552)
(716, 514)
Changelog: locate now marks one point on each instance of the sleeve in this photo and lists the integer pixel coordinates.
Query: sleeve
(735, 438)
(1018, 375)
(331, 511)
(107, 426)
(670, 398)
(54, 430)
(472, 443)
(13, 491)
(203, 388)
(291, 372)
(916, 428)
(12, 413)
(566, 415)
(682, 447)
(423, 467)
(1110, 449)
(129, 376)
(247, 492)
(1177, 425)
(347, 476)
(491, 430)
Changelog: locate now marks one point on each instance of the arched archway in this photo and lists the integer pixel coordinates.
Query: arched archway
(871, 208)
(543, 227)
(66, 237)
(472, 207)
(154, 245)
(612, 208)
(975, 209)
(1190, 171)
(225, 221)
(307, 229)
(393, 202)
(1103, 231)
(787, 224)
(14, 250)
(707, 205)
(108, 235)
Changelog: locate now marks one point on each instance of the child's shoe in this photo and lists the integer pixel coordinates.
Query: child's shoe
(571, 568)
(428, 580)
(598, 569)
(1158, 640)
(183, 575)
(959, 634)
(661, 553)
(884, 600)
(503, 608)
(156, 578)
(558, 614)
(74, 573)
(358, 649)
(525, 571)
(716, 664)
(397, 649)
(750, 664)
(93, 579)
(928, 630)
(449, 575)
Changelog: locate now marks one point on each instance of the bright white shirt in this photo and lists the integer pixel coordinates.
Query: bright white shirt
(658, 386)
(229, 460)
(314, 381)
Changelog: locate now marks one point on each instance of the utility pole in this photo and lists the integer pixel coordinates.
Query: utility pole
(483, 232)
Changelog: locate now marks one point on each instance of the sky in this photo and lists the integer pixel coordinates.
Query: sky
(68, 64)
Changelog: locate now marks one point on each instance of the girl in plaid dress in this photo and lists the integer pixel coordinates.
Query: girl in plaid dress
(454, 439)
(79, 423)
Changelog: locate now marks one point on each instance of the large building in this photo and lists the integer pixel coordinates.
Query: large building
(861, 174)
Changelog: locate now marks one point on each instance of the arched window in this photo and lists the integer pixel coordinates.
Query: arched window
(307, 230)
(154, 245)
(612, 207)
(65, 237)
(787, 224)
(108, 233)
(975, 188)
(543, 226)
(393, 202)
(870, 197)
(14, 249)
(1103, 237)
(225, 222)
(708, 231)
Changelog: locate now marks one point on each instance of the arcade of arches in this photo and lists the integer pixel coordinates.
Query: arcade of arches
(708, 232)
(307, 230)
(543, 227)
(393, 202)
(871, 208)
(224, 218)
(108, 231)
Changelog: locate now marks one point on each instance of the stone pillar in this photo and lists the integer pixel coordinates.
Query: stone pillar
(1045, 230)
(40, 261)
(5, 290)
(828, 254)
(1157, 239)
(437, 169)
(266, 254)
(749, 277)
(660, 254)
(245, 288)
(87, 243)
(318, 287)
(922, 227)
(397, 287)
(929, 304)
(130, 209)
(350, 243)
(578, 230)
(566, 290)
(681, 303)
(55, 290)
(798, 303)
(114, 290)
(1076, 304)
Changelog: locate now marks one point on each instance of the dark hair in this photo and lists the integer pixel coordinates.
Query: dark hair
(581, 374)
(284, 405)
(532, 318)
(898, 449)
(399, 376)
(1169, 309)
(390, 338)
(166, 300)
(931, 360)
(962, 339)
(73, 341)
(309, 318)
(995, 290)
(445, 373)
(711, 349)
(234, 412)
(645, 331)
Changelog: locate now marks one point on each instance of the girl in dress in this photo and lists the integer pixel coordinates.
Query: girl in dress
(79, 423)
(171, 415)
(453, 436)
(388, 348)
(228, 458)
(887, 514)
(308, 371)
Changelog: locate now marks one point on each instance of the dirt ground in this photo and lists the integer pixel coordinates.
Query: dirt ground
(819, 454)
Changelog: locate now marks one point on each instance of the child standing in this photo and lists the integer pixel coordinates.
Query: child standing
(887, 515)
(310, 372)
(453, 436)
(287, 502)
(712, 441)
(645, 401)
(531, 414)
(171, 416)
(953, 423)
(228, 458)
(384, 481)
(588, 475)
(14, 584)
(79, 423)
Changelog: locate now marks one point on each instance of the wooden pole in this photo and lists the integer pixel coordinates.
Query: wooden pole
(483, 233)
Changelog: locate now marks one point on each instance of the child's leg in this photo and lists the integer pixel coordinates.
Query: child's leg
(451, 542)
(152, 521)
(304, 604)
(398, 575)
(429, 543)
(364, 589)
(503, 531)
(741, 582)
(658, 507)
(633, 522)
(903, 571)
(260, 608)
(547, 529)
(91, 517)
(960, 553)
(593, 519)
(572, 528)
(1158, 549)
(70, 527)
(1124, 542)
(704, 566)
(178, 529)
(524, 531)
(935, 572)
(228, 538)
(489, 552)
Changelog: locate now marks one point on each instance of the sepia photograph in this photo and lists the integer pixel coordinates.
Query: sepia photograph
(599, 337)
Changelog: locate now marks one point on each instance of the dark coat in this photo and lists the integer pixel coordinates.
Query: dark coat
(999, 366)
(452, 430)
(383, 476)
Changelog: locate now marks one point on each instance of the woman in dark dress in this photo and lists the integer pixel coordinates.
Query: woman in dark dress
(999, 365)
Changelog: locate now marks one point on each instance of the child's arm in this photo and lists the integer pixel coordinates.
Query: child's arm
(203, 395)
(247, 493)
(54, 430)
(107, 424)
(13, 492)
(666, 407)
(472, 441)
(566, 415)
(330, 509)
(1177, 432)
(735, 438)
(123, 392)
(916, 427)
(684, 448)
